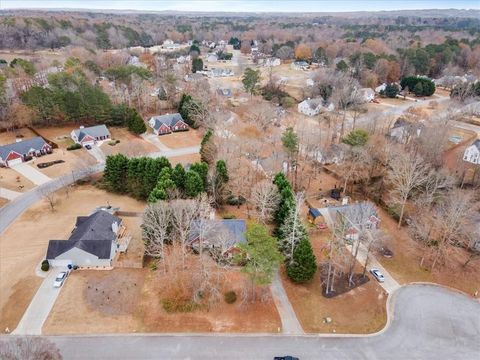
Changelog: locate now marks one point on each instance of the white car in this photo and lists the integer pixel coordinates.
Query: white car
(60, 279)
(377, 275)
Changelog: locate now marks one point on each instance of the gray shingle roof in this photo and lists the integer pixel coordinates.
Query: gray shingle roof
(95, 131)
(476, 143)
(92, 234)
(235, 227)
(22, 147)
(168, 119)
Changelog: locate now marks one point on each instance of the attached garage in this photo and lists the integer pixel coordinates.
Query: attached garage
(14, 162)
(60, 262)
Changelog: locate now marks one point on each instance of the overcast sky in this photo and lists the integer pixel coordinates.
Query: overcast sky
(245, 5)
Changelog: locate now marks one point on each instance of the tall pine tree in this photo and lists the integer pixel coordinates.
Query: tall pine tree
(304, 263)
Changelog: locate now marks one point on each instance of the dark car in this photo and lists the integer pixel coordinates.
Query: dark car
(288, 357)
(88, 147)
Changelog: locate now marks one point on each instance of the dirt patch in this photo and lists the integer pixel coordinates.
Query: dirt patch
(22, 292)
(24, 244)
(182, 139)
(184, 159)
(8, 137)
(73, 160)
(3, 202)
(139, 308)
(11, 180)
(130, 144)
(113, 292)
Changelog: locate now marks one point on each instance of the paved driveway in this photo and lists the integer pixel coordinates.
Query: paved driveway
(290, 323)
(154, 139)
(9, 194)
(429, 322)
(32, 174)
(97, 153)
(40, 306)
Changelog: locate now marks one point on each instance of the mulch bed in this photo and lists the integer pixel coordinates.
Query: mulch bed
(341, 285)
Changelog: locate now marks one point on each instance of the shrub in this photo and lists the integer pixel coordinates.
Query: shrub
(288, 102)
(236, 200)
(179, 305)
(230, 297)
(74, 147)
(229, 216)
(356, 138)
(153, 266)
(45, 265)
(113, 142)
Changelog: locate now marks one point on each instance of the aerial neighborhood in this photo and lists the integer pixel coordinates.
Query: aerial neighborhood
(285, 173)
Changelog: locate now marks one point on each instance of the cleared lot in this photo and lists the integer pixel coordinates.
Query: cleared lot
(24, 243)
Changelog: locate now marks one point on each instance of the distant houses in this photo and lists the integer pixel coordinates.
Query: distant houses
(90, 135)
(403, 131)
(312, 107)
(472, 153)
(166, 124)
(23, 150)
(300, 65)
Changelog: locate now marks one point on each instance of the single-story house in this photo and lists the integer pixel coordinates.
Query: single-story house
(403, 131)
(93, 242)
(194, 77)
(220, 72)
(23, 150)
(472, 153)
(225, 92)
(312, 107)
(212, 57)
(165, 124)
(219, 235)
(366, 95)
(90, 135)
(356, 217)
(300, 65)
(271, 62)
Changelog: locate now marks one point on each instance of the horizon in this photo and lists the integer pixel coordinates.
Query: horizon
(246, 6)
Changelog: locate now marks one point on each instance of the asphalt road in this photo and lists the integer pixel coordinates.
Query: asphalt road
(429, 322)
(13, 209)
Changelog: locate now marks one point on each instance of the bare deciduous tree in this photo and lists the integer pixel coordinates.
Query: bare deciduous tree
(265, 199)
(407, 172)
(29, 348)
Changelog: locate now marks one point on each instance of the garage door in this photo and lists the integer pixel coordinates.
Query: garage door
(14, 162)
(63, 263)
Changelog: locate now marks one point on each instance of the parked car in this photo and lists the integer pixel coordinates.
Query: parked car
(288, 357)
(88, 147)
(377, 275)
(60, 279)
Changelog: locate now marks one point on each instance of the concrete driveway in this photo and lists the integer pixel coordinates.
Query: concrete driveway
(154, 140)
(32, 174)
(9, 194)
(40, 306)
(428, 322)
(290, 323)
(97, 153)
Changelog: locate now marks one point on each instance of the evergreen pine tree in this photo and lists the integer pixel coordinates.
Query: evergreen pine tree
(193, 184)
(304, 263)
(178, 177)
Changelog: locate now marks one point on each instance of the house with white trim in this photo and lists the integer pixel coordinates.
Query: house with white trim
(23, 150)
(312, 107)
(94, 242)
(472, 153)
(166, 124)
(90, 135)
